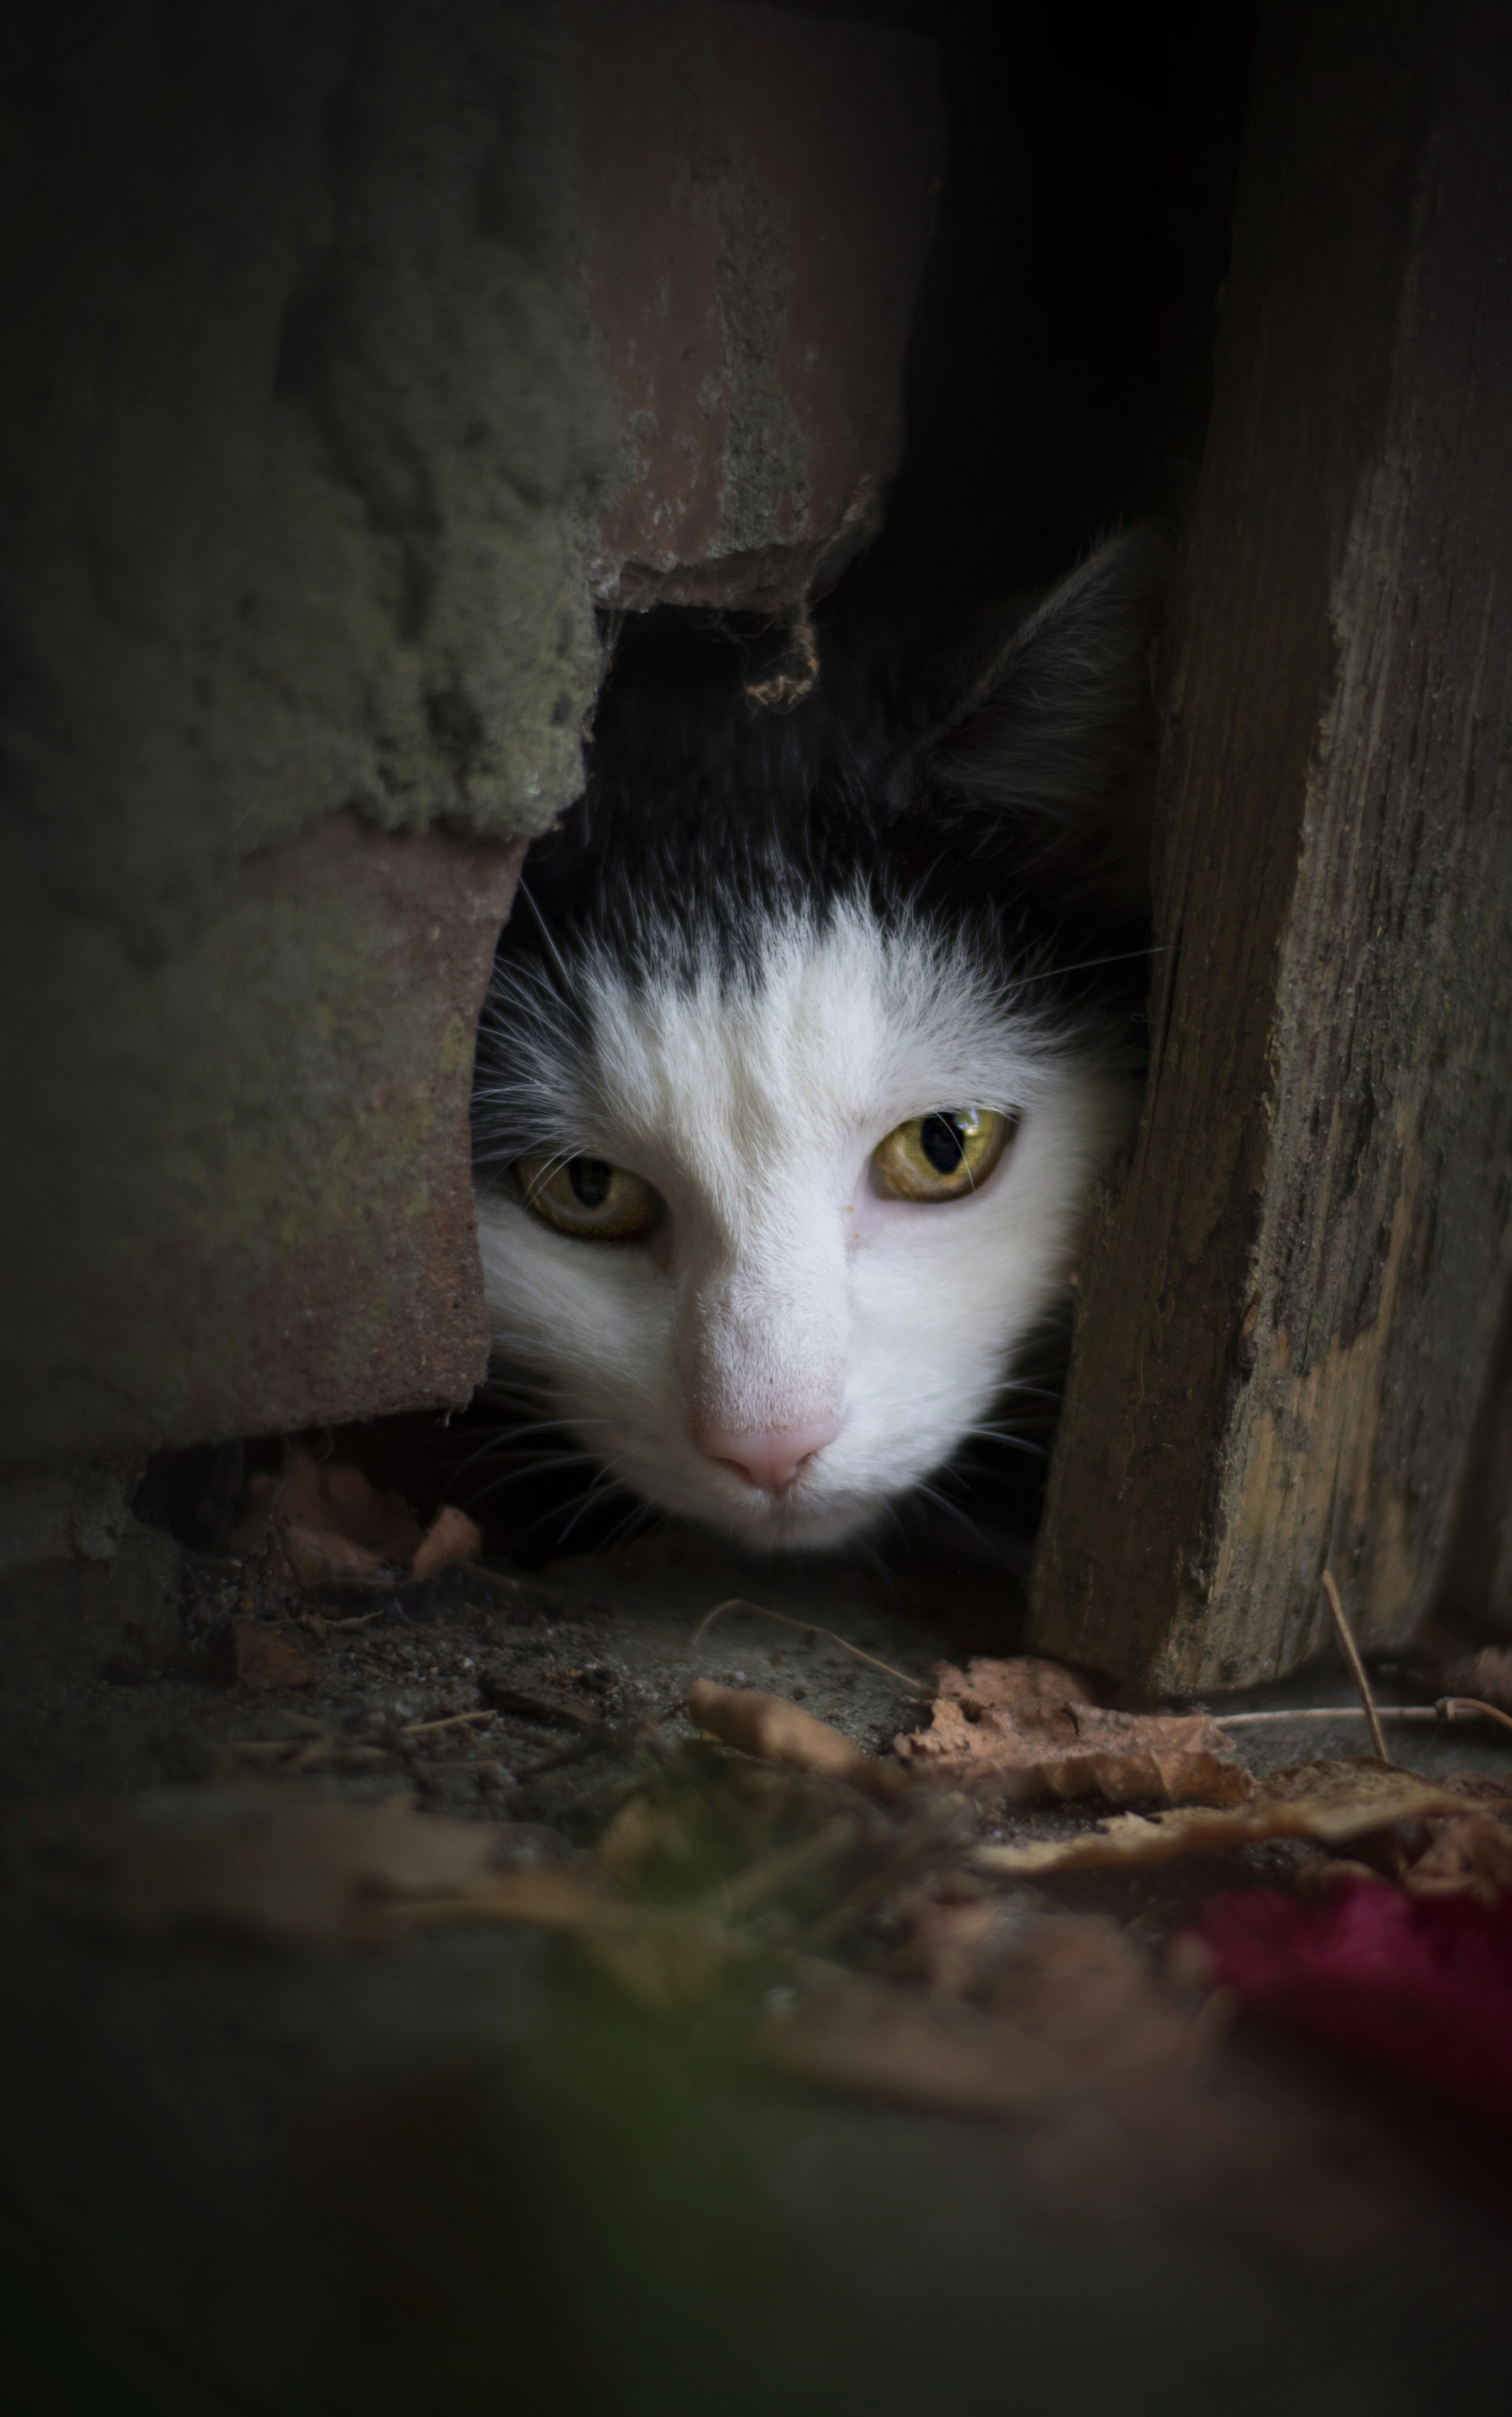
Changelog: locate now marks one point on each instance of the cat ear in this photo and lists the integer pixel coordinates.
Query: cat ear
(1056, 736)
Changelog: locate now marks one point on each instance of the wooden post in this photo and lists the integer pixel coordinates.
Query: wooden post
(1290, 1296)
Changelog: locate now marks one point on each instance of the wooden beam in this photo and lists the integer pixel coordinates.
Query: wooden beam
(1290, 1295)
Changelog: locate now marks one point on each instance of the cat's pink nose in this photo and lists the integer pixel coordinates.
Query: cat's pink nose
(773, 1459)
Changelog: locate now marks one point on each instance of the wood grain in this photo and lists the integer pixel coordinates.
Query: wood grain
(1289, 1297)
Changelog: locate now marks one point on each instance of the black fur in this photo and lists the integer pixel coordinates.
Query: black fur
(994, 787)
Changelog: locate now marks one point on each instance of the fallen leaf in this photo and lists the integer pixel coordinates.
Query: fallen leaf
(1423, 1986)
(450, 1537)
(1070, 2033)
(946, 1945)
(883, 2041)
(252, 1860)
(553, 1896)
(1332, 1803)
(321, 1557)
(326, 1524)
(1470, 1854)
(1033, 1689)
(638, 1831)
(775, 1731)
(263, 1660)
(1070, 1996)
(1014, 1731)
(334, 1496)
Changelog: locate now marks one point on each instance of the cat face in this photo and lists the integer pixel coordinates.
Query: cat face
(806, 1041)
(784, 1340)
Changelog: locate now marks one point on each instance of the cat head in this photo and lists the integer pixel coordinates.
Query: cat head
(804, 1046)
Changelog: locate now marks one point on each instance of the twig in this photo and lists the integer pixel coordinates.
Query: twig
(809, 1628)
(1327, 1712)
(1449, 1705)
(305, 1754)
(1447, 1709)
(452, 1721)
(1356, 1668)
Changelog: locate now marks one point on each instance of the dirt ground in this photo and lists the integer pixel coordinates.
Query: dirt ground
(474, 2164)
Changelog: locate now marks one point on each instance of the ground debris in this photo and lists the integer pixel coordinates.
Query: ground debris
(324, 1523)
(1015, 1731)
(554, 1707)
(265, 1661)
(774, 1729)
(451, 1537)
(251, 1858)
(1329, 1803)
(1469, 1854)
(1062, 2026)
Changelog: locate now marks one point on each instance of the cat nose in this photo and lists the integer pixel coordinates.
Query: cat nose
(775, 1458)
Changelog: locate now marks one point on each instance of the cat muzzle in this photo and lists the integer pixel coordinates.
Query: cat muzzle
(773, 1459)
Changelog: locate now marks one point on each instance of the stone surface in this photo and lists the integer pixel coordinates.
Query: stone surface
(759, 191)
(65, 1616)
(324, 333)
(249, 1206)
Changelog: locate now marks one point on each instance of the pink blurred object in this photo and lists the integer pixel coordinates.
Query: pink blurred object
(1423, 1986)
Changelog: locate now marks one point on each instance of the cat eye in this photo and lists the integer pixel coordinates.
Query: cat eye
(588, 1197)
(943, 1156)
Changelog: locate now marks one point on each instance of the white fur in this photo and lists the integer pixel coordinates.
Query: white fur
(782, 1288)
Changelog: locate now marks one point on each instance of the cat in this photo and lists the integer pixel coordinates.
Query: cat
(806, 1042)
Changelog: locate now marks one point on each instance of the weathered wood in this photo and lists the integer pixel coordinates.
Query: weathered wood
(1477, 1575)
(1290, 1297)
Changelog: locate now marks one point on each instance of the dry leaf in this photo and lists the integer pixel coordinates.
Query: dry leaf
(883, 2041)
(1332, 1803)
(332, 1527)
(450, 1537)
(263, 1660)
(1014, 1731)
(1470, 1855)
(774, 1730)
(551, 1895)
(329, 1524)
(251, 1860)
(637, 1832)
(1069, 1997)
(947, 1944)
(321, 1557)
(1073, 2035)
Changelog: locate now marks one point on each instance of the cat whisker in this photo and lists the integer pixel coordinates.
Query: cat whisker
(640, 1515)
(953, 1511)
(1086, 966)
(1010, 1442)
(503, 1439)
(581, 1501)
(532, 1468)
(604, 1486)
